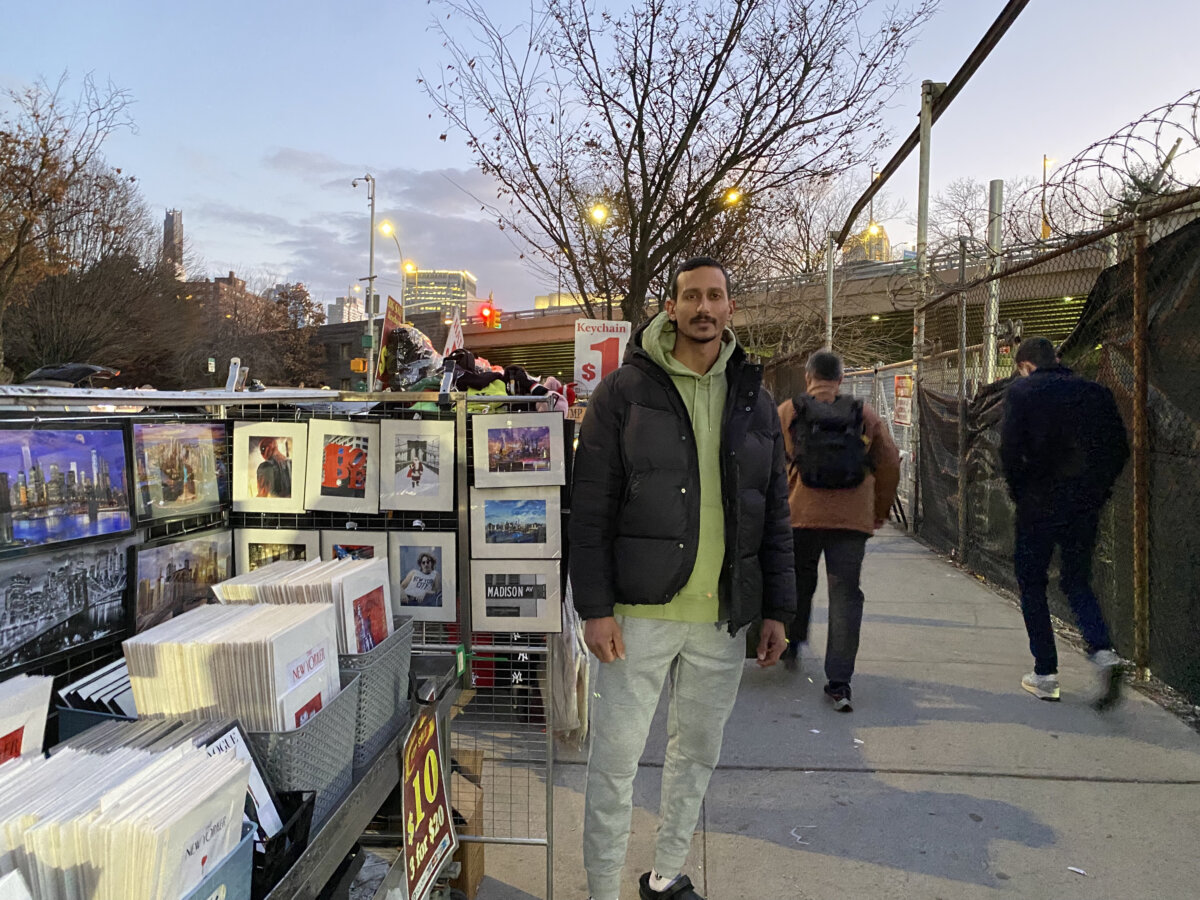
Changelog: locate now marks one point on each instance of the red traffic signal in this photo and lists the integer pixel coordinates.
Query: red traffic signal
(489, 316)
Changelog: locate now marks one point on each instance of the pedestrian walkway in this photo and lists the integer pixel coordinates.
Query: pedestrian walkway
(947, 781)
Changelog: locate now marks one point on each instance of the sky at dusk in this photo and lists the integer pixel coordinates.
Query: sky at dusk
(254, 117)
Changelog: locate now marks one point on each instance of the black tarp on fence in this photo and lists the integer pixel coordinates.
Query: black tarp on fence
(1101, 348)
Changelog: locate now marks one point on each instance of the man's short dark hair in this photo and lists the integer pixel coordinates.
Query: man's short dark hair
(824, 365)
(1036, 350)
(696, 262)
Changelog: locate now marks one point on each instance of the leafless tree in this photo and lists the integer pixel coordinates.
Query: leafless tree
(47, 143)
(668, 115)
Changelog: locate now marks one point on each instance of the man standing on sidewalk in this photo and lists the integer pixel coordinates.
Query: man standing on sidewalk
(842, 482)
(679, 540)
(1063, 444)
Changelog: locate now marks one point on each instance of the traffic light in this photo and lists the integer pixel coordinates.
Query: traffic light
(489, 316)
(358, 364)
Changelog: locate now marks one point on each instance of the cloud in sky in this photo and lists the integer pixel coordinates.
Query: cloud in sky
(439, 224)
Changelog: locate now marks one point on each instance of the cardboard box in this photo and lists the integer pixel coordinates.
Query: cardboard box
(467, 800)
(470, 764)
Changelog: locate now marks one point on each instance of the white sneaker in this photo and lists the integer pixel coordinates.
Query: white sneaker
(1108, 667)
(1044, 687)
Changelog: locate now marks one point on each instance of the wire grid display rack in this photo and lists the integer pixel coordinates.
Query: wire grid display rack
(501, 715)
(499, 735)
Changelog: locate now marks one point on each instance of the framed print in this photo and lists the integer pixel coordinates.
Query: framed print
(349, 544)
(515, 595)
(63, 598)
(177, 468)
(255, 547)
(513, 449)
(269, 466)
(416, 465)
(173, 576)
(424, 569)
(61, 483)
(343, 466)
(516, 523)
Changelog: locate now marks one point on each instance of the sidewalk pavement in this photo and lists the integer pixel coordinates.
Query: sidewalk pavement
(947, 781)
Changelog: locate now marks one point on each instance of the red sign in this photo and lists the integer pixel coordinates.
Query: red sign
(391, 321)
(10, 744)
(428, 824)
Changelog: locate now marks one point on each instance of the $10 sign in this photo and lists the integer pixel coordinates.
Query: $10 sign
(599, 349)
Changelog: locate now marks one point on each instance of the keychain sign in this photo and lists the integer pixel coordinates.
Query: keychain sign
(599, 349)
(429, 838)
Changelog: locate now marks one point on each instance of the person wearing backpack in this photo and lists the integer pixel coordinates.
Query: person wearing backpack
(843, 469)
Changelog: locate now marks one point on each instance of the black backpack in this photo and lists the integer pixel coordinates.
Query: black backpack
(829, 444)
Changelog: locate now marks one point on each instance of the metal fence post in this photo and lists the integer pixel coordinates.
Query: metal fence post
(929, 90)
(962, 400)
(991, 309)
(1141, 451)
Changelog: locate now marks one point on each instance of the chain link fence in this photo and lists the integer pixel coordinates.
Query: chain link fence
(1109, 271)
(1123, 305)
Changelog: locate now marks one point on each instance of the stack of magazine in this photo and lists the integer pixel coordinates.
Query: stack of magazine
(214, 737)
(104, 691)
(24, 703)
(270, 667)
(125, 825)
(358, 589)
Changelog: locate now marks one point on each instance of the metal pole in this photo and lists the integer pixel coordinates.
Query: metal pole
(1141, 450)
(370, 180)
(991, 310)
(962, 400)
(929, 91)
(830, 249)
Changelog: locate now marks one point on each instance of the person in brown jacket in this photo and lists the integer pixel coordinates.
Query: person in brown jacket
(842, 477)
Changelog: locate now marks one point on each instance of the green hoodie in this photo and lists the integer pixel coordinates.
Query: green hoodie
(704, 397)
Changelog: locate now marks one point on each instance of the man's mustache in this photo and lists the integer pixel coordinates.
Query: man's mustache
(698, 319)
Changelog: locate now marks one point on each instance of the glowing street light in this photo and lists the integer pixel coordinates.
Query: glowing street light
(733, 196)
(599, 213)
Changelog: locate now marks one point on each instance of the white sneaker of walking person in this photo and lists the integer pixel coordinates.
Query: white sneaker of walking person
(1044, 687)
(1108, 678)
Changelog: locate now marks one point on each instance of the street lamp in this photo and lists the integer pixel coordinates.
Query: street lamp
(389, 229)
(1046, 164)
(732, 197)
(370, 180)
(599, 215)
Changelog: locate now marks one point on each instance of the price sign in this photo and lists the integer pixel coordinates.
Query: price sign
(599, 349)
(429, 838)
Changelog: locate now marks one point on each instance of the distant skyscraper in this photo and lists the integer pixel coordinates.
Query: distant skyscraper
(173, 242)
(96, 470)
(345, 309)
(27, 457)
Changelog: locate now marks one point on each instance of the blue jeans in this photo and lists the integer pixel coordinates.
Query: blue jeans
(844, 551)
(1038, 531)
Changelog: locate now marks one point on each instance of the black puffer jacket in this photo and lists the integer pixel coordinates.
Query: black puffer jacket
(635, 506)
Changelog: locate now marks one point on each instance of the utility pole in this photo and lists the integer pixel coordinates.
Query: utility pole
(830, 249)
(930, 91)
(370, 279)
(991, 309)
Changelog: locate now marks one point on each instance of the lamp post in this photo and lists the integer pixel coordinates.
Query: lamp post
(389, 229)
(370, 180)
(599, 215)
(1046, 164)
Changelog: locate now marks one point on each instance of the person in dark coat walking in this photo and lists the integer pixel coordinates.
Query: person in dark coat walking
(679, 540)
(1062, 446)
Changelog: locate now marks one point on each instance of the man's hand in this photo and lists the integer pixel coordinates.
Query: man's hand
(879, 523)
(772, 643)
(603, 637)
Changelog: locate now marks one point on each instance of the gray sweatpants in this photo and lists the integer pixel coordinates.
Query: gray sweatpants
(704, 664)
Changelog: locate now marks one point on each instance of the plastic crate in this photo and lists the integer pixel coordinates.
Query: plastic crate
(383, 707)
(230, 880)
(319, 755)
(76, 721)
(273, 857)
